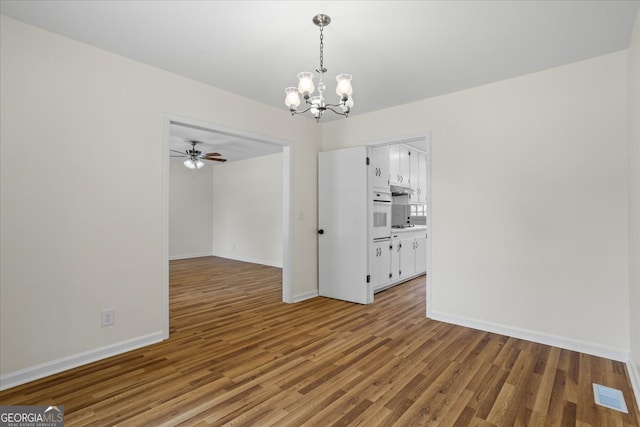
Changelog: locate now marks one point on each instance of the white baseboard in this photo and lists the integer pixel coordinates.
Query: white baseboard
(305, 296)
(187, 256)
(634, 376)
(42, 370)
(538, 337)
(247, 259)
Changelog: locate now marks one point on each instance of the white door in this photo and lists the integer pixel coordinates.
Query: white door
(343, 222)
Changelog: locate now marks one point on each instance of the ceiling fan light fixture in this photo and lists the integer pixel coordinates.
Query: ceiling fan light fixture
(193, 163)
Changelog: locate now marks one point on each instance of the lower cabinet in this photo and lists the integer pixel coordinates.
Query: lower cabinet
(399, 260)
(381, 264)
(407, 257)
(421, 254)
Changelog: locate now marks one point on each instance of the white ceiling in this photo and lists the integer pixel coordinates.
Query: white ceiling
(231, 147)
(397, 51)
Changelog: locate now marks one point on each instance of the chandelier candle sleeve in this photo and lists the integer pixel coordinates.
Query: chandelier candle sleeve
(305, 83)
(293, 98)
(344, 89)
(317, 104)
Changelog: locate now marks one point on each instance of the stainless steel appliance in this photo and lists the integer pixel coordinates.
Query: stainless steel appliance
(381, 221)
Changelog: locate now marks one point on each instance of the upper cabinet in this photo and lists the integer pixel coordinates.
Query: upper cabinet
(380, 168)
(418, 177)
(399, 168)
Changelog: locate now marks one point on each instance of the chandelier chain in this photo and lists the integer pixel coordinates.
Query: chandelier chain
(321, 70)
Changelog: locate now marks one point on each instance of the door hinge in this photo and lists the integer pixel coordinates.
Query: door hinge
(368, 278)
(367, 161)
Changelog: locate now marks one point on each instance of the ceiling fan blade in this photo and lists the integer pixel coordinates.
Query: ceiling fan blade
(178, 156)
(176, 151)
(213, 154)
(215, 159)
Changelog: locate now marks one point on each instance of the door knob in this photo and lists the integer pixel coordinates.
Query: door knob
(321, 231)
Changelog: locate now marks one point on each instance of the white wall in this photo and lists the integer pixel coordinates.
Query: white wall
(190, 211)
(529, 201)
(634, 201)
(247, 210)
(82, 221)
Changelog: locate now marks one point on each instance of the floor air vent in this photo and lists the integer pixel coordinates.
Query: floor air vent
(609, 398)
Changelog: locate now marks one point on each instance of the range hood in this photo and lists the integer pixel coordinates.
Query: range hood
(400, 189)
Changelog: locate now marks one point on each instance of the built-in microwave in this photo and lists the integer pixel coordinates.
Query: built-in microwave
(381, 220)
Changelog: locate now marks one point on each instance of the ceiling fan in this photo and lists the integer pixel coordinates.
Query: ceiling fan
(195, 157)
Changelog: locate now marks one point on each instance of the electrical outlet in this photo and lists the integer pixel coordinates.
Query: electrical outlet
(107, 317)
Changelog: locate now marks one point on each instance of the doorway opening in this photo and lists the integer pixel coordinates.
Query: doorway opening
(238, 147)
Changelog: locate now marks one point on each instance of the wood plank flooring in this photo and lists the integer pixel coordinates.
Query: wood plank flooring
(238, 356)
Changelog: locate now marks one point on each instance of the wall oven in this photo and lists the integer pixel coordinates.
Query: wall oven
(381, 221)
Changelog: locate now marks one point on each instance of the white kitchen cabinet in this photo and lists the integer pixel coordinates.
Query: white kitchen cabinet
(421, 254)
(409, 254)
(395, 259)
(418, 177)
(407, 257)
(399, 167)
(380, 163)
(381, 264)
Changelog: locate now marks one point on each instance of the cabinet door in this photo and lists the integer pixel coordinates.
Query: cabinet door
(394, 164)
(418, 177)
(422, 178)
(407, 257)
(421, 254)
(395, 259)
(405, 167)
(380, 264)
(414, 171)
(380, 162)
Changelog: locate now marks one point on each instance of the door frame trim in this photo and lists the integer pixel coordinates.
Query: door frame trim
(287, 206)
(426, 136)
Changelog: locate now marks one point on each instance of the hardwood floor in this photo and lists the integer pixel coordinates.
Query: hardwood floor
(239, 356)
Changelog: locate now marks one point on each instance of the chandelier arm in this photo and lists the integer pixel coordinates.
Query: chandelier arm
(300, 112)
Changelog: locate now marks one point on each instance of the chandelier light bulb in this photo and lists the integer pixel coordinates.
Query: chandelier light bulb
(292, 99)
(344, 88)
(305, 83)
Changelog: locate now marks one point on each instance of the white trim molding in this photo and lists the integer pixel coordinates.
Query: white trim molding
(538, 337)
(187, 256)
(634, 377)
(305, 296)
(42, 370)
(246, 259)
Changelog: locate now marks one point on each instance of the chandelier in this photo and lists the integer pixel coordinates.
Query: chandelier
(317, 104)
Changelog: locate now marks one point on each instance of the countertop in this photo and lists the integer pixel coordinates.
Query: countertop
(408, 229)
